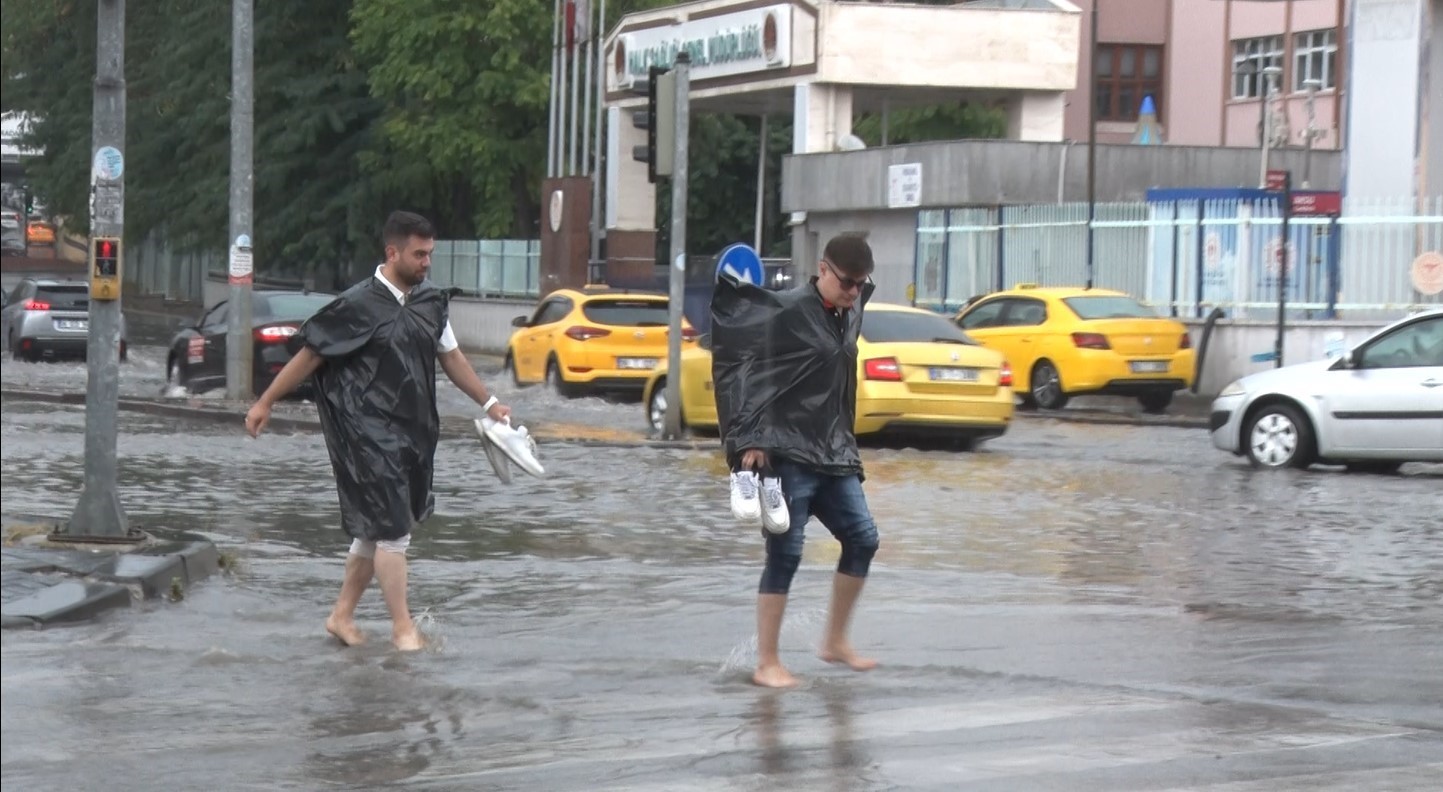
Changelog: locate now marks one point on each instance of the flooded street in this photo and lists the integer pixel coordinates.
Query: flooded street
(1074, 607)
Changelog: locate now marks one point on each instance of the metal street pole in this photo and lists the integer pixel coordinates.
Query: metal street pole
(762, 184)
(552, 107)
(682, 107)
(98, 514)
(239, 349)
(1284, 264)
(598, 173)
(1091, 145)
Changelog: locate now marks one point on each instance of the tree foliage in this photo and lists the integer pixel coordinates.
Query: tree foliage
(439, 106)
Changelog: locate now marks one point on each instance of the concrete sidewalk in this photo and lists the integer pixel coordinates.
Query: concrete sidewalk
(47, 582)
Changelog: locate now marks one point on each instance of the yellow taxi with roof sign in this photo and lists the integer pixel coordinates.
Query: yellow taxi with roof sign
(1065, 342)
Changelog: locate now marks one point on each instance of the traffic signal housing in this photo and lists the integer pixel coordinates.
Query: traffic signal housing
(105, 268)
(659, 121)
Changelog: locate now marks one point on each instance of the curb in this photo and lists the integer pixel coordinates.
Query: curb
(48, 583)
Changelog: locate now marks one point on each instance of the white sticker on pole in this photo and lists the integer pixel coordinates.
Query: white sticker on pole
(241, 265)
(680, 262)
(109, 164)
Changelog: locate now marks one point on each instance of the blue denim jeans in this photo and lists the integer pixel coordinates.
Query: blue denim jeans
(839, 504)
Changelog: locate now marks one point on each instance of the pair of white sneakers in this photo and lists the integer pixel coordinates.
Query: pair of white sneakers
(760, 498)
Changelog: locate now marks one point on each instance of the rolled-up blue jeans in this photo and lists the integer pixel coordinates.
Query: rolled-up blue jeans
(839, 504)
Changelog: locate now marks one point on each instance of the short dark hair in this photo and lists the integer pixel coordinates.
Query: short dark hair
(401, 226)
(851, 254)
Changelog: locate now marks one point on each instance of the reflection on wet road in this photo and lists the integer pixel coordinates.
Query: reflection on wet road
(1072, 608)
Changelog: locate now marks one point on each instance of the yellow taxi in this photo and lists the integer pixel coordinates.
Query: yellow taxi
(916, 374)
(592, 340)
(1065, 342)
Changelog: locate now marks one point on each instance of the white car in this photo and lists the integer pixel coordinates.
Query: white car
(1375, 408)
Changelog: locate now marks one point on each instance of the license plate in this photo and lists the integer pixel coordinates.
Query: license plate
(955, 374)
(636, 363)
(1149, 366)
(72, 324)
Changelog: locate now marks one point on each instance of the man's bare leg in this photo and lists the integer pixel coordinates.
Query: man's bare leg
(342, 621)
(770, 672)
(835, 646)
(391, 572)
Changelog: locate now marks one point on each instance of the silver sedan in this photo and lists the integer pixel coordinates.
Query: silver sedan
(1375, 408)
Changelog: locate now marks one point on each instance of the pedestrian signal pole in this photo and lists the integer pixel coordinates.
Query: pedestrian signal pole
(682, 114)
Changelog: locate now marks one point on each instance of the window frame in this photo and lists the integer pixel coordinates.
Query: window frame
(1262, 51)
(1310, 44)
(1115, 81)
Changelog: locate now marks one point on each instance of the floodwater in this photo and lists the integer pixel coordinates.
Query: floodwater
(1071, 608)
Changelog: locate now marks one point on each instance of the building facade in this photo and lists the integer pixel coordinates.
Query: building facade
(1206, 66)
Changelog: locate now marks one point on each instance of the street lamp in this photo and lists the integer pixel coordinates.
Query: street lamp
(1270, 74)
(1312, 132)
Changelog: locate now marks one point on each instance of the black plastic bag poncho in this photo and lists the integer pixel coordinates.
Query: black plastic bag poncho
(785, 374)
(376, 395)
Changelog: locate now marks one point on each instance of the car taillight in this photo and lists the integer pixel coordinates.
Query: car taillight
(584, 333)
(1186, 341)
(1004, 376)
(35, 305)
(1090, 341)
(689, 334)
(883, 369)
(275, 334)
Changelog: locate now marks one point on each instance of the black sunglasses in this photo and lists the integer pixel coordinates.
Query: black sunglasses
(846, 283)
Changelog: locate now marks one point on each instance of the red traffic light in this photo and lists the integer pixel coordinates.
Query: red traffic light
(104, 248)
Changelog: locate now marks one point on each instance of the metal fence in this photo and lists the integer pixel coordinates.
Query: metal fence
(1186, 257)
(157, 267)
(489, 267)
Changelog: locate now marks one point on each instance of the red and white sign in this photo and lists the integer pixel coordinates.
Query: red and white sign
(1277, 180)
(1319, 204)
(195, 350)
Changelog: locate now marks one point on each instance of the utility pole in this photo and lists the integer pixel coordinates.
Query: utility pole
(682, 109)
(1284, 264)
(239, 348)
(99, 516)
(1091, 145)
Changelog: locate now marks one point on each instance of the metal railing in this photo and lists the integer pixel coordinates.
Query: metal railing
(489, 267)
(1186, 257)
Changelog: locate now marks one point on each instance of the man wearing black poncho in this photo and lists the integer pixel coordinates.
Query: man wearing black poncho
(785, 368)
(373, 352)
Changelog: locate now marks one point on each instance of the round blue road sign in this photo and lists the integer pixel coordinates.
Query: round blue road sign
(742, 263)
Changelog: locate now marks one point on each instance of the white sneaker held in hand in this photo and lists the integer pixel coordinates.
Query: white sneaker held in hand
(776, 517)
(746, 496)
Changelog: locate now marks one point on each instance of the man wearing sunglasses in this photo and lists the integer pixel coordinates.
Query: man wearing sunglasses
(785, 373)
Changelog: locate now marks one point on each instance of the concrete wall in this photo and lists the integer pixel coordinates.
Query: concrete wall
(892, 235)
(1385, 65)
(990, 172)
(1233, 343)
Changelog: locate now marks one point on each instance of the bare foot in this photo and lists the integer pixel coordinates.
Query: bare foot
(845, 655)
(408, 641)
(345, 631)
(773, 676)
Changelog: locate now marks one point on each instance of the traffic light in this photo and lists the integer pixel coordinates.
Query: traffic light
(29, 204)
(105, 268)
(659, 121)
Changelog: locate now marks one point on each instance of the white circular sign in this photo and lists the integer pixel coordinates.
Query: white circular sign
(557, 200)
(109, 163)
(1427, 273)
(1273, 256)
(1212, 250)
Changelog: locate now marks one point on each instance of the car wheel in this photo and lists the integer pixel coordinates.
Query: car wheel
(1155, 401)
(656, 407)
(1045, 387)
(1278, 436)
(509, 366)
(554, 380)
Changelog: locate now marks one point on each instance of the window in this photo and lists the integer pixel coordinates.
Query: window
(1109, 308)
(627, 313)
(1125, 74)
(1250, 57)
(882, 327)
(1314, 55)
(988, 314)
(1026, 313)
(292, 307)
(1411, 346)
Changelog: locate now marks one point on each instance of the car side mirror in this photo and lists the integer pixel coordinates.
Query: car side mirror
(519, 321)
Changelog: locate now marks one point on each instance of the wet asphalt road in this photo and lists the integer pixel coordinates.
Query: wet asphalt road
(1072, 608)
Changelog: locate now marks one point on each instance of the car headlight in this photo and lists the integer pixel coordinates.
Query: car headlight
(1235, 389)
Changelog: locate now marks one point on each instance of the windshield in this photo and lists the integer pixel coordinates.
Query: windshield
(627, 313)
(881, 327)
(292, 307)
(72, 297)
(1109, 307)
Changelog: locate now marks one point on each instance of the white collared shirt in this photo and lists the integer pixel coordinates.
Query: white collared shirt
(448, 337)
